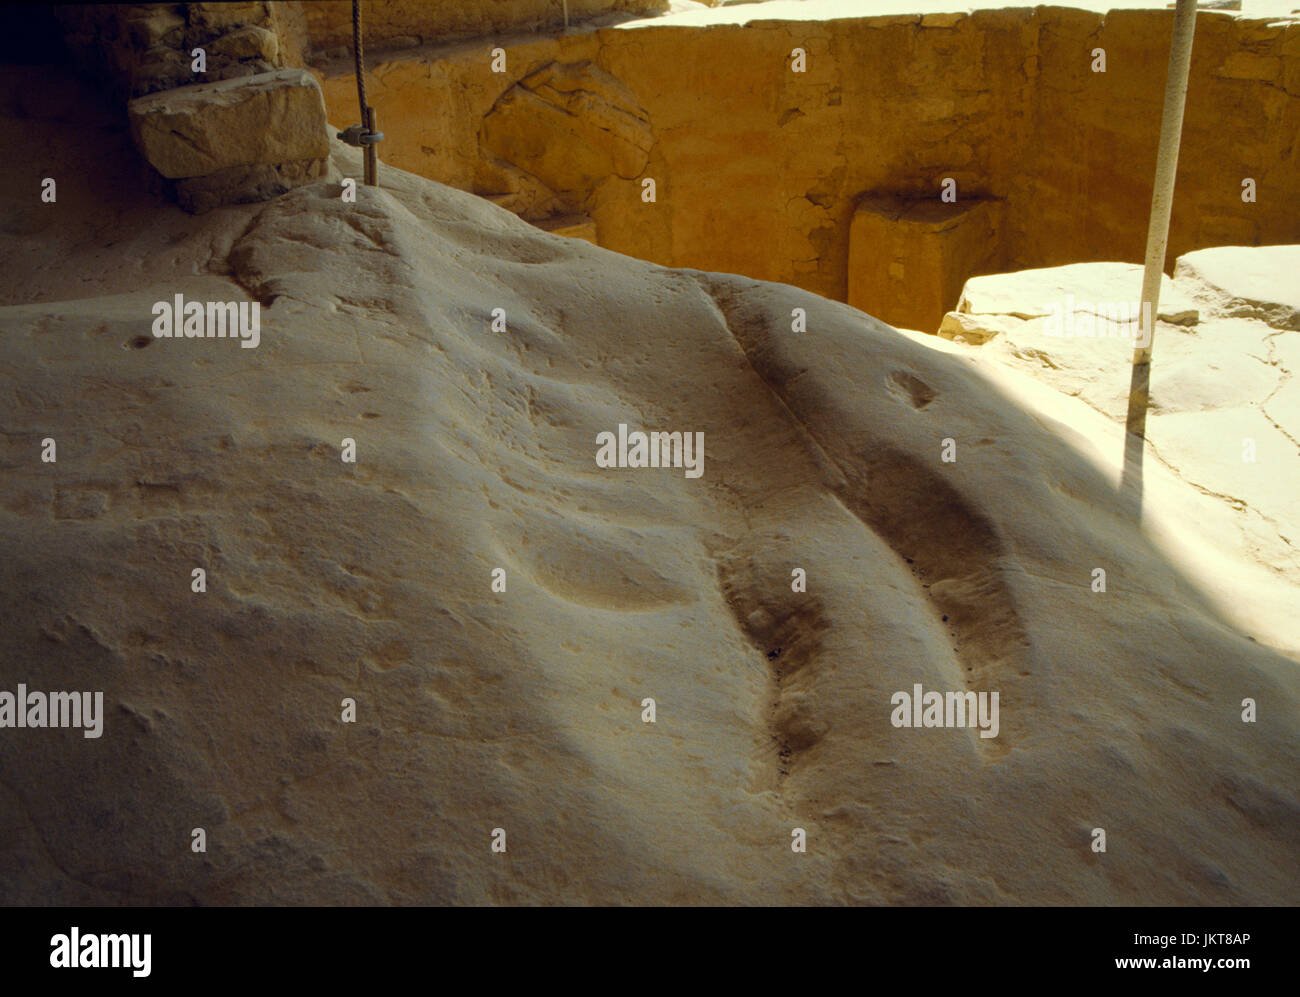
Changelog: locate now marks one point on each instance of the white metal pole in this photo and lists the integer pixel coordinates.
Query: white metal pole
(1162, 199)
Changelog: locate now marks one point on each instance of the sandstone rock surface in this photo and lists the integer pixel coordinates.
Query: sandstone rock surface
(574, 125)
(195, 131)
(140, 49)
(1224, 402)
(521, 709)
(977, 329)
(248, 42)
(247, 184)
(1078, 287)
(1251, 282)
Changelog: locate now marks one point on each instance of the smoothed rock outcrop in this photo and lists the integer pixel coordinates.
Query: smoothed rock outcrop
(521, 709)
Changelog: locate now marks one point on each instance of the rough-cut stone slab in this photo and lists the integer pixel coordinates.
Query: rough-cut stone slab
(975, 329)
(1223, 404)
(1260, 282)
(195, 131)
(1077, 287)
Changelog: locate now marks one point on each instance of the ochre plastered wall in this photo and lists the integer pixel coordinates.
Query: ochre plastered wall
(759, 169)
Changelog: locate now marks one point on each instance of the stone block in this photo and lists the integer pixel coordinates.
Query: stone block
(249, 42)
(908, 259)
(572, 124)
(244, 184)
(268, 118)
(975, 329)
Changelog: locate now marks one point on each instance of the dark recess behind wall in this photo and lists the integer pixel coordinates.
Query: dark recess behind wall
(31, 35)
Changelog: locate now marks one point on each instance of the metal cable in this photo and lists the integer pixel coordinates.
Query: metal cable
(364, 134)
(359, 52)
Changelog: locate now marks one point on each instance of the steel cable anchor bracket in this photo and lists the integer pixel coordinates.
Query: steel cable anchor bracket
(360, 135)
(363, 136)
